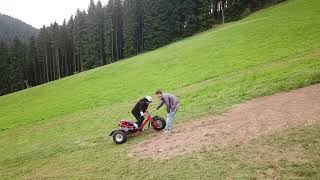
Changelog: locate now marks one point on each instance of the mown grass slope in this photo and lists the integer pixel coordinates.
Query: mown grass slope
(59, 129)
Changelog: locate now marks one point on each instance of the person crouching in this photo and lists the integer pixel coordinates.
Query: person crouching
(139, 109)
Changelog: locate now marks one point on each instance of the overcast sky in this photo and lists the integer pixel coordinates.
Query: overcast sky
(42, 12)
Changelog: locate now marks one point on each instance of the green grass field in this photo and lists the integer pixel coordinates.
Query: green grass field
(59, 130)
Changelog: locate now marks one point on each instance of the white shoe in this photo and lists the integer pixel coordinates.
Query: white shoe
(167, 131)
(136, 125)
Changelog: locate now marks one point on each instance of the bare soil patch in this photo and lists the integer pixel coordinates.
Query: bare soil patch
(242, 123)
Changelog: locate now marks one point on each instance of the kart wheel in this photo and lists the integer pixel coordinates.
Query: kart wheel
(119, 137)
(158, 123)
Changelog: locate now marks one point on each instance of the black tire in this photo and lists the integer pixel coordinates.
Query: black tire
(158, 123)
(119, 137)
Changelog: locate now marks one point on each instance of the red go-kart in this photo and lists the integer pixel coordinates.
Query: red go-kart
(126, 128)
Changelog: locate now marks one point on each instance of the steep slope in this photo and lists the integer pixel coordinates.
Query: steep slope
(278, 34)
(11, 27)
(59, 129)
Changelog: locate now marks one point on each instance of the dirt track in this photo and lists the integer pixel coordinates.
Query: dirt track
(242, 123)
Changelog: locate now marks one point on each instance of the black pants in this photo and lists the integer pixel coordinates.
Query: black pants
(138, 117)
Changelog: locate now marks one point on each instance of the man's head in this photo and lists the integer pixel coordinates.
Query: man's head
(159, 94)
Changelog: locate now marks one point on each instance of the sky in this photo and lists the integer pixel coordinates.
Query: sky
(43, 12)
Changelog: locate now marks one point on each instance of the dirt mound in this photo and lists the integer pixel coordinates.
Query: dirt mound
(239, 125)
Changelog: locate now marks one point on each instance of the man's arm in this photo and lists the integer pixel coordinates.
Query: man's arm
(160, 105)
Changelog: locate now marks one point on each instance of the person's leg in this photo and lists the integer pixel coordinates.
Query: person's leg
(170, 118)
(168, 122)
(140, 121)
(137, 116)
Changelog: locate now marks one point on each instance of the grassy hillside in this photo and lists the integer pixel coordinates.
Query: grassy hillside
(59, 129)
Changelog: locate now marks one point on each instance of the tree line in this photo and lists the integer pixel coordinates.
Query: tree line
(106, 34)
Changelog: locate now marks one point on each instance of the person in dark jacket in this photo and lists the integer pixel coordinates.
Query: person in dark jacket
(139, 109)
(172, 103)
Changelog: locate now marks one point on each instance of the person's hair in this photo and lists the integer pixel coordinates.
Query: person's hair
(158, 92)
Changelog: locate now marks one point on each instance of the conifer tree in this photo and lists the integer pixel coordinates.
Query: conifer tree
(32, 65)
(131, 25)
(79, 39)
(4, 69)
(117, 22)
(108, 32)
(17, 54)
(71, 49)
(91, 53)
(100, 19)
(114, 31)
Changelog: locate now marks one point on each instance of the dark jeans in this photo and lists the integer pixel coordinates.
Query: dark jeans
(138, 117)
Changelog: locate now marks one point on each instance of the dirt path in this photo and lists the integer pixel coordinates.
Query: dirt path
(239, 125)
